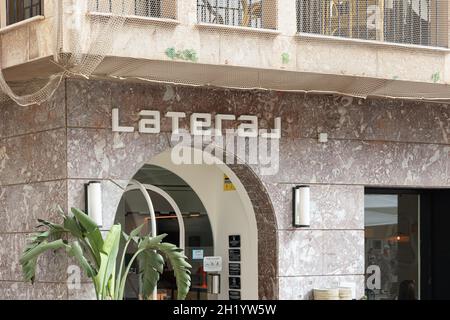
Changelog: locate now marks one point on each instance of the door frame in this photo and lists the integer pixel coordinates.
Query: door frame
(428, 235)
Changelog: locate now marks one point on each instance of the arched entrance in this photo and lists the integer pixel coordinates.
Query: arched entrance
(224, 201)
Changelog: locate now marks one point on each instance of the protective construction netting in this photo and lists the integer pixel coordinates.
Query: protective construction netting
(176, 41)
(418, 22)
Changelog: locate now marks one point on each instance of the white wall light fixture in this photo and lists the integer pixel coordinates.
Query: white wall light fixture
(301, 207)
(94, 203)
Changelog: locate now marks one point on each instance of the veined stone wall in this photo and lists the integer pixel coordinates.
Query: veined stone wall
(33, 180)
(48, 152)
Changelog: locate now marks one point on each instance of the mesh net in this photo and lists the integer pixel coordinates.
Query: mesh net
(233, 43)
(418, 22)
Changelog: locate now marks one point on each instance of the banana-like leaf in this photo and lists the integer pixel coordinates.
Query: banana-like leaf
(150, 242)
(76, 251)
(180, 267)
(93, 234)
(136, 231)
(98, 257)
(151, 265)
(52, 226)
(29, 258)
(54, 231)
(134, 234)
(70, 223)
(108, 254)
(86, 222)
(145, 243)
(177, 259)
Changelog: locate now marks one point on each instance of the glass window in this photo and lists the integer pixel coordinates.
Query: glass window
(144, 8)
(392, 246)
(418, 22)
(244, 13)
(18, 10)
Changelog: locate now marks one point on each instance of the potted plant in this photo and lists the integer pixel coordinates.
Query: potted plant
(101, 258)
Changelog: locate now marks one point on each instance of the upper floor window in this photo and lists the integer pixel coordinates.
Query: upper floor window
(420, 22)
(144, 8)
(242, 13)
(18, 10)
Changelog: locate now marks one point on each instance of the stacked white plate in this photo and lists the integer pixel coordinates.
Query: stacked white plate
(326, 294)
(345, 293)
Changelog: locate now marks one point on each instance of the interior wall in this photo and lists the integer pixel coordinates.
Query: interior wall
(228, 214)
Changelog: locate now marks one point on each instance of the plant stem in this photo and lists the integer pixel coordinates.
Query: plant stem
(119, 275)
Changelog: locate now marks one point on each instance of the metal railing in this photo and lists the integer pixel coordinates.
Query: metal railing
(145, 8)
(417, 22)
(243, 13)
(19, 10)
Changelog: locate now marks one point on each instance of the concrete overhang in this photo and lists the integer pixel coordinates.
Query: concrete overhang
(196, 74)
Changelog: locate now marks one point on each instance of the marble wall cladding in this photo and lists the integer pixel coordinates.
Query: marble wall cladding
(301, 253)
(19, 120)
(373, 142)
(267, 251)
(39, 291)
(301, 288)
(52, 266)
(112, 192)
(33, 157)
(268, 287)
(321, 252)
(100, 153)
(332, 206)
(363, 163)
(89, 104)
(343, 252)
(21, 205)
(32, 171)
(86, 291)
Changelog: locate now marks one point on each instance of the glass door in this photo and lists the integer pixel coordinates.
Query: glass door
(133, 211)
(392, 254)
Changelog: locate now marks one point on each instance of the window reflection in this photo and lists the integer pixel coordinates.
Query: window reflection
(392, 246)
(18, 10)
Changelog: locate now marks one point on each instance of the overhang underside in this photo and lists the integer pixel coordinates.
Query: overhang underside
(237, 77)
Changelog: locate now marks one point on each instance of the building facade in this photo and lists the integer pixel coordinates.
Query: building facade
(359, 126)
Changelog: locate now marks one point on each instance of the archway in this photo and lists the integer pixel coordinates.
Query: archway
(243, 209)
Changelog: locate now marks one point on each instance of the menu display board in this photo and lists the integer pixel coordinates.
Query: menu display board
(235, 255)
(234, 241)
(234, 295)
(234, 269)
(235, 283)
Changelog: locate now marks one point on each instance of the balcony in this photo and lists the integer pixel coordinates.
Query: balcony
(260, 14)
(140, 8)
(320, 46)
(417, 22)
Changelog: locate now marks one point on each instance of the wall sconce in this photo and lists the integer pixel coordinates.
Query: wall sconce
(301, 207)
(94, 202)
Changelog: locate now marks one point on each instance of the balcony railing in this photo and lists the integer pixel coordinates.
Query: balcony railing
(144, 8)
(18, 10)
(242, 13)
(419, 22)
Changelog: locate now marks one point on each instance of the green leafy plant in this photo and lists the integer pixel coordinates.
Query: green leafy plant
(435, 77)
(186, 55)
(285, 58)
(99, 257)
